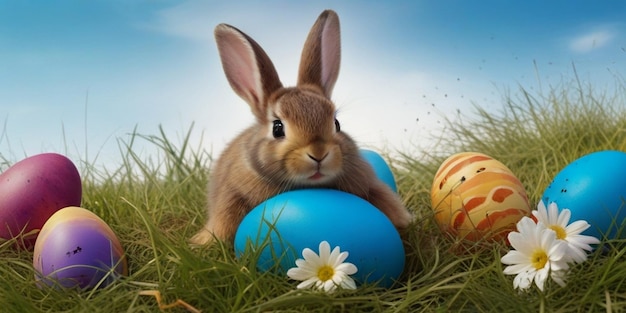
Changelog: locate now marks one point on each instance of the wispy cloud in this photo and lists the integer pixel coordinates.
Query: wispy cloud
(189, 20)
(195, 19)
(590, 41)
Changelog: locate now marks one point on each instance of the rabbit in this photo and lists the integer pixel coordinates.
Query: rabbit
(296, 141)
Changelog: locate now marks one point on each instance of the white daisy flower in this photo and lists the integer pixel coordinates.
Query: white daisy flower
(325, 271)
(537, 255)
(578, 245)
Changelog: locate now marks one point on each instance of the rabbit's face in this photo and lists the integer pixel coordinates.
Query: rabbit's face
(303, 128)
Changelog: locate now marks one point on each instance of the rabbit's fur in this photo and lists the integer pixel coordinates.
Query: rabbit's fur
(296, 141)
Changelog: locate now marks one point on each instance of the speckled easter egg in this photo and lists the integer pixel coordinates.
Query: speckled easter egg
(78, 249)
(32, 190)
(476, 197)
(593, 188)
(281, 227)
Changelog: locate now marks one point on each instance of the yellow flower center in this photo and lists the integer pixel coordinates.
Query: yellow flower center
(539, 259)
(325, 273)
(560, 231)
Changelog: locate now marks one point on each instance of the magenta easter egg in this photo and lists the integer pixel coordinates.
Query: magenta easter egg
(32, 190)
(78, 249)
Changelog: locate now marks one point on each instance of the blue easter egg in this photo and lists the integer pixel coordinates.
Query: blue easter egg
(593, 188)
(284, 225)
(381, 168)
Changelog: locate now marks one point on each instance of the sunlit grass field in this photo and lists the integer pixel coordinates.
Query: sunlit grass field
(155, 203)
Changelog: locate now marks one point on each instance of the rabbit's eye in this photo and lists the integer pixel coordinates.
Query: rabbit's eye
(337, 126)
(278, 130)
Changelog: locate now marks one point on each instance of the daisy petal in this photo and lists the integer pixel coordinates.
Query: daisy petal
(577, 227)
(519, 242)
(299, 274)
(541, 214)
(341, 257)
(577, 255)
(348, 283)
(563, 217)
(583, 242)
(307, 283)
(523, 280)
(514, 257)
(310, 256)
(329, 286)
(347, 268)
(517, 268)
(324, 250)
(334, 256)
(558, 277)
(553, 214)
(540, 278)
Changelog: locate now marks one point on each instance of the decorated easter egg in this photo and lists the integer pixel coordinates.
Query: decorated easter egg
(381, 168)
(32, 190)
(281, 227)
(476, 197)
(78, 249)
(593, 188)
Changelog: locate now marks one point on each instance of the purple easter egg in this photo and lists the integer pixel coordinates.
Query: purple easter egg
(77, 249)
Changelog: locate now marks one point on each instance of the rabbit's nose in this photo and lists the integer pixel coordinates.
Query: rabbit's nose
(317, 159)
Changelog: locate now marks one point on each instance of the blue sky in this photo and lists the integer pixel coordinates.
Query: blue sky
(77, 76)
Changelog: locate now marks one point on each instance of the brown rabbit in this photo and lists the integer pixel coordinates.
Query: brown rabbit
(296, 141)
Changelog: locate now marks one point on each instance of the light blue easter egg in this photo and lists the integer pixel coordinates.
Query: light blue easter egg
(593, 188)
(284, 225)
(381, 168)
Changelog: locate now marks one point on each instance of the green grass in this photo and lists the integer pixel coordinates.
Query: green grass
(155, 203)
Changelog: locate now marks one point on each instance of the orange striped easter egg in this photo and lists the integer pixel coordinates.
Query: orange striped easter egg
(476, 197)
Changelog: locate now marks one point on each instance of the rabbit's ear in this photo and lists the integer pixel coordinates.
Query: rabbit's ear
(321, 55)
(249, 70)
